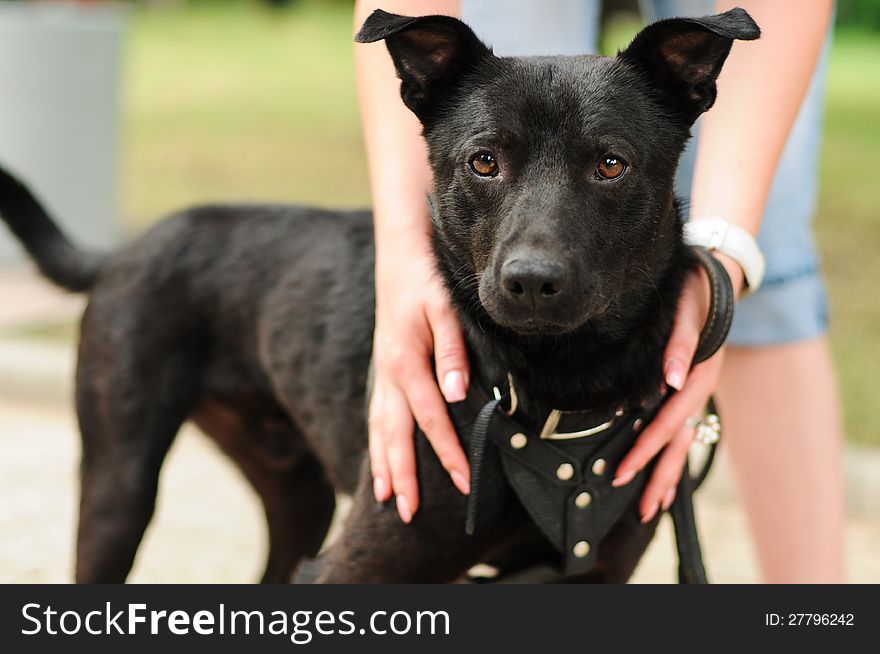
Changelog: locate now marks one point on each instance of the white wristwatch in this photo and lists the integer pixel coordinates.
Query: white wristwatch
(732, 240)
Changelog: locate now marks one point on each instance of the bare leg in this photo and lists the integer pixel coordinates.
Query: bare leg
(782, 428)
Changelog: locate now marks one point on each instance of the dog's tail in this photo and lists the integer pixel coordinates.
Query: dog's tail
(55, 256)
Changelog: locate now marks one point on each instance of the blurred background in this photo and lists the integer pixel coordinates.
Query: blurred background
(211, 100)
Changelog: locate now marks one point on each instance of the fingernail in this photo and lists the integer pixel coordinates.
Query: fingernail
(453, 386)
(623, 478)
(403, 509)
(675, 374)
(460, 482)
(668, 498)
(650, 514)
(380, 489)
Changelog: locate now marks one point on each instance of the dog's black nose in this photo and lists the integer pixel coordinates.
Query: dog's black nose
(533, 281)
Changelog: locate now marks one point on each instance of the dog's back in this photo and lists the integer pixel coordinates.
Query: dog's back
(179, 325)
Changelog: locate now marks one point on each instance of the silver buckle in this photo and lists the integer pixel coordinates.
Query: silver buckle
(548, 432)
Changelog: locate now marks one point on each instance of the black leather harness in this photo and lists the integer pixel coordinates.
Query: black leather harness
(562, 475)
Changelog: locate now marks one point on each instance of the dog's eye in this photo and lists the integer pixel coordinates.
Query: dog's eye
(484, 165)
(610, 167)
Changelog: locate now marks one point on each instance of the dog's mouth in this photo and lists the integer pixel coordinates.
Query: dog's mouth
(537, 327)
(538, 324)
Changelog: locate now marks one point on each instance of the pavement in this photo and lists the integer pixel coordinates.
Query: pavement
(209, 526)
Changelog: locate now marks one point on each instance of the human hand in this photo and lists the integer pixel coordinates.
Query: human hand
(668, 431)
(414, 321)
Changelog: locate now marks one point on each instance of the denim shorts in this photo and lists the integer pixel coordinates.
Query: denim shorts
(791, 304)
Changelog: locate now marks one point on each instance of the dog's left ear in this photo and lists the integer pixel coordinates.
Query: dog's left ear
(430, 53)
(683, 56)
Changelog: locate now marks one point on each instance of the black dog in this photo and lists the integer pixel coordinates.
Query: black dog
(558, 236)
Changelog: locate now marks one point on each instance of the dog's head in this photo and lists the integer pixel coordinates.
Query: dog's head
(553, 176)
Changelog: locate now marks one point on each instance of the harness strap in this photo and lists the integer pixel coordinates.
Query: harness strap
(478, 448)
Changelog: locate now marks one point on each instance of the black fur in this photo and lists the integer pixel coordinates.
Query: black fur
(256, 322)
(56, 256)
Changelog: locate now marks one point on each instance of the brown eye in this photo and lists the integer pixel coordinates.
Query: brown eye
(484, 165)
(610, 167)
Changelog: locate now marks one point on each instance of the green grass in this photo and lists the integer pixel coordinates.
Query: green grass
(848, 228)
(240, 102)
(233, 101)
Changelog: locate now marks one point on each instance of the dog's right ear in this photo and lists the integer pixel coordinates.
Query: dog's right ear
(431, 53)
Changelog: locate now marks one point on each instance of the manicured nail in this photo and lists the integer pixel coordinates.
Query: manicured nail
(403, 509)
(380, 489)
(453, 386)
(650, 514)
(675, 374)
(460, 482)
(623, 478)
(668, 498)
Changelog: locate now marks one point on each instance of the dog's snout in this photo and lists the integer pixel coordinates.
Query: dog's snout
(533, 281)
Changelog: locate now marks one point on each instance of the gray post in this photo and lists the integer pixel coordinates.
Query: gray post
(59, 99)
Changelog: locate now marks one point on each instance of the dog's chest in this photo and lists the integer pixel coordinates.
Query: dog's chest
(561, 474)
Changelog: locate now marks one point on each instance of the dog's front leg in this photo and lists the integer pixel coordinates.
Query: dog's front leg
(375, 546)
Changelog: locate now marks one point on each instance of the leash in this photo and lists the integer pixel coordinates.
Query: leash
(566, 492)
(721, 299)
